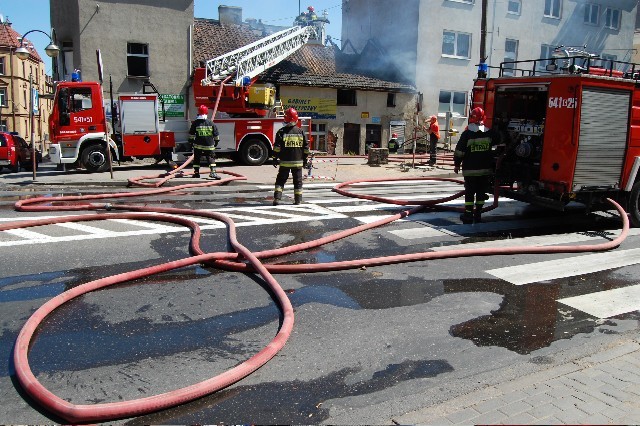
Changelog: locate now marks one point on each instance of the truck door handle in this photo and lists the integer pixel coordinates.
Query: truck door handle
(92, 127)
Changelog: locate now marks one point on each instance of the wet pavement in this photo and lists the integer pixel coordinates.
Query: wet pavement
(588, 383)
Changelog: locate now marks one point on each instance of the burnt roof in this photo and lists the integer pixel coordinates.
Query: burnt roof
(313, 65)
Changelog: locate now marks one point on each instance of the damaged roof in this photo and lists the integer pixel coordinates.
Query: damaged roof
(313, 65)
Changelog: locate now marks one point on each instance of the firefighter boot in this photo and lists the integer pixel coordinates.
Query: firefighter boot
(277, 196)
(467, 217)
(196, 173)
(476, 214)
(214, 175)
(297, 198)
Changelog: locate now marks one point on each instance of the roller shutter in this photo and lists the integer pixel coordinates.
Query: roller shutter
(604, 125)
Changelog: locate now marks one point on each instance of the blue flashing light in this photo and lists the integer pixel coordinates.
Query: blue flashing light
(246, 80)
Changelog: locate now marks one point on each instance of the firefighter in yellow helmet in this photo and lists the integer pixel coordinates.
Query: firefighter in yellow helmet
(290, 151)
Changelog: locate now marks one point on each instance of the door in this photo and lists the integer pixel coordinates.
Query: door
(374, 136)
(351, 143)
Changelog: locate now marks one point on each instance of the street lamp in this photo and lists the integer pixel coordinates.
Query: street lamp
(23, 53)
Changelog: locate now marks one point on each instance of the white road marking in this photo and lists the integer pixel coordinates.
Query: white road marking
(566, 267)
(92, 230)
(608, 303)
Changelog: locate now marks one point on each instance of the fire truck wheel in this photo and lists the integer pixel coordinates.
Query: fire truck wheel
(94, 158)
(633, 206)
(254, 152)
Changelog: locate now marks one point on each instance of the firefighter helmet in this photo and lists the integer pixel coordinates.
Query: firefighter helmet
(203, 110)
(476, 116)
(310, 9)
(395, 135)
(291, 115)
(433, 119)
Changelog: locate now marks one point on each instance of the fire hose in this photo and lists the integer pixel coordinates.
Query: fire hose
(241, 260)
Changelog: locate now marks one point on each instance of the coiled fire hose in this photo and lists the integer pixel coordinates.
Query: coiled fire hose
(241, 260)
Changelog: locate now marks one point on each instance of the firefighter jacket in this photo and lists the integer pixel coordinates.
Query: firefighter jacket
(291, 146)
(203, 134)
(473, 151)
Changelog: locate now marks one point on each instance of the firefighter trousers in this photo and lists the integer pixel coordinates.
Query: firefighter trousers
(209, 154)
(281, 179)
(433, 143)
(475, 192)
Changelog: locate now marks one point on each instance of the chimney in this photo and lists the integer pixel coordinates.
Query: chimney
(230, 14)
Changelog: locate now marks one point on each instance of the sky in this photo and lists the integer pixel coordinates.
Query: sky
(27, 15)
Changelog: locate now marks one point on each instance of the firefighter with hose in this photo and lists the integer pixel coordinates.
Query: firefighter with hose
(204, 137)
(473, 153)
(392, 145)
(290, 152)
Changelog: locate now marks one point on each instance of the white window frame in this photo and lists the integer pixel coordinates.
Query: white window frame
(608, 18)
(1, 65)
(518, 3)
(463, 1)
(550, 6)
(461, 112)
(510, 56)
(3, 97)
(455, 44)
(592, 14)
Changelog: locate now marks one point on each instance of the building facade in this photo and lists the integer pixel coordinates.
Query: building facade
(438, 43)
(139, 41)
(18, 79)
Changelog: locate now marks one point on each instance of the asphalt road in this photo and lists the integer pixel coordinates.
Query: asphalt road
(368, 344)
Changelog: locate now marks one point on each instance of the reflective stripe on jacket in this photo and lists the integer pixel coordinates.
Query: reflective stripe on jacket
(291, 146)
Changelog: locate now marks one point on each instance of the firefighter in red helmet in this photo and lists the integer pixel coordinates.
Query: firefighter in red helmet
(290, 151)
(204, 137)
(474, 154)
(392, 145)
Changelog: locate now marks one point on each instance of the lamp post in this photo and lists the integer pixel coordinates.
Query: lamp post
(52, 51)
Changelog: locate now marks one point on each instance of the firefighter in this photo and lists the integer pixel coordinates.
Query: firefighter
(434, 137)
(311, 15)
(393, 144)
(473, 154)
(204, 137)
(290, 151)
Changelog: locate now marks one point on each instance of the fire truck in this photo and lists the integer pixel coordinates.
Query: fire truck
(571, 128)
(78, 129)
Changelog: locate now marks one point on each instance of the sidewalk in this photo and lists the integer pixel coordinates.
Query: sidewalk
(338, 170)
(603, 388)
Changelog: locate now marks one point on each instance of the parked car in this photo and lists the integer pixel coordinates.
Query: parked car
(15, 152)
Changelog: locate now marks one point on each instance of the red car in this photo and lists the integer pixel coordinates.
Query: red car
(15, 152)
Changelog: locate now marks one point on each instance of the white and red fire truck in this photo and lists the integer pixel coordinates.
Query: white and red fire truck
(572, 130)
(77, 122)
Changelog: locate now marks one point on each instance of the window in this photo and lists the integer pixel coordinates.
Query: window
(2, 66)
(510, 54)
(456, 44)
(137, 60)
(552, 8)
(591, 14)
(612, 18)
(391, 99)
(545, 52)
(455, 102)
(346, 98)
(514, 7)
(81, 99)
(319, 133)
(3, 96)
(463, 1)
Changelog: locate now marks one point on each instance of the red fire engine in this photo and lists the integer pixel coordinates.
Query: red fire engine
(77, 122)
(572, 130)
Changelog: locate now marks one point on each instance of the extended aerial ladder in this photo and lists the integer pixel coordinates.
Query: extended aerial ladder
(240, 98)
(251, 60)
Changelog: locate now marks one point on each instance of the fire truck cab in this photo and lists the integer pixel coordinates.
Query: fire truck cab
(572, 132)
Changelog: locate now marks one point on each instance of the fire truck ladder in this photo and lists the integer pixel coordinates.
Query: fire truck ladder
(251, 60)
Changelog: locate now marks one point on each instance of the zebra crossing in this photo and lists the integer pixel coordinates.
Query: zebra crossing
(322, 204)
